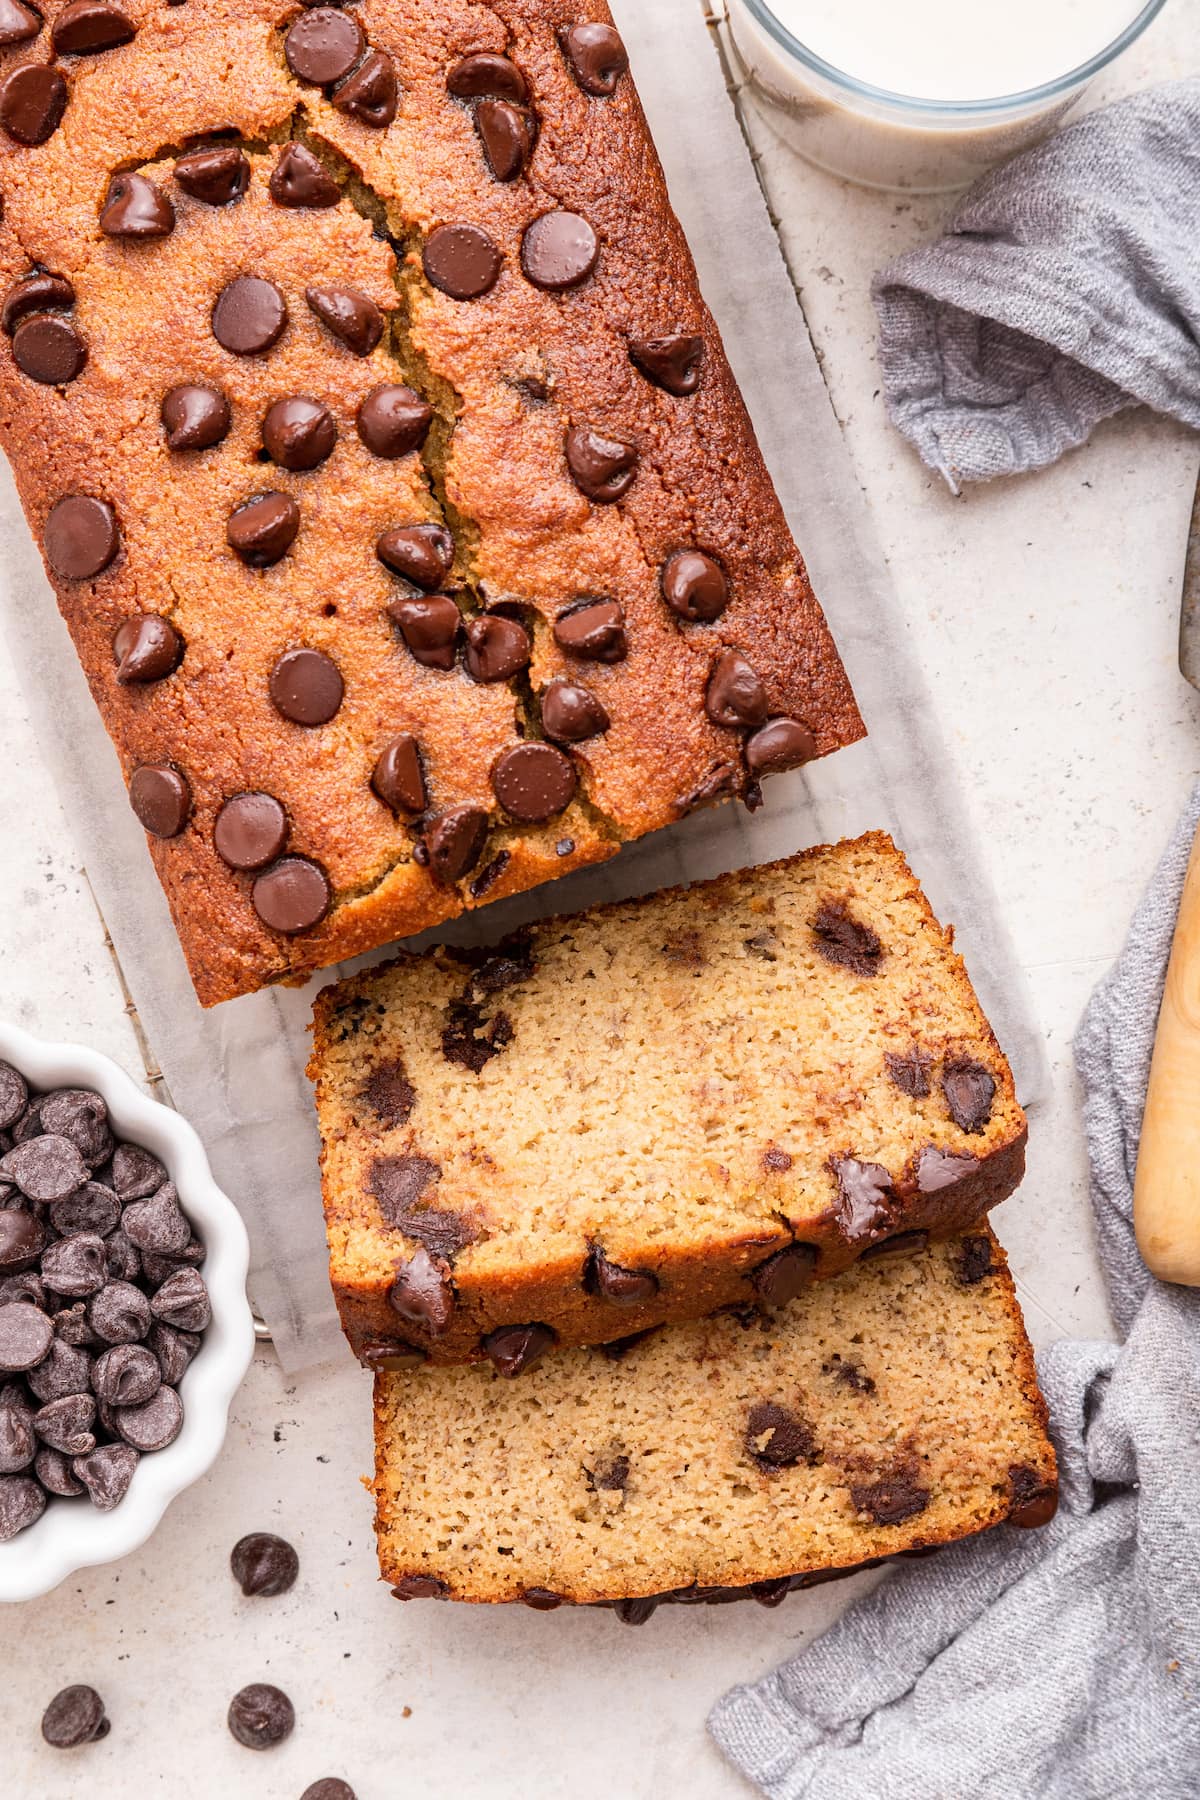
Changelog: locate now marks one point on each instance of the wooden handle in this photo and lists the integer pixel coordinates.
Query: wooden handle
(1166, 1195)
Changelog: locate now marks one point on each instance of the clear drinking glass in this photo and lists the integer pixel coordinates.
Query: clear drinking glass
(897, 141)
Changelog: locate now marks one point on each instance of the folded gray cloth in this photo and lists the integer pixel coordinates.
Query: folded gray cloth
(1067, 287)
(1062, 1663)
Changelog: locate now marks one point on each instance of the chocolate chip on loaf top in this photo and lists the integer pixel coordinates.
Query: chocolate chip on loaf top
(891, 1411)
(711, 1096)
(385, 459)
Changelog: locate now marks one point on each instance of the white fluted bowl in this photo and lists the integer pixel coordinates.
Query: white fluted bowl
(71, 1534)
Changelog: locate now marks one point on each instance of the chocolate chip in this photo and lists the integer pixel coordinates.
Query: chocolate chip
(890, 1501)
(1034, 1500)
(969, 1089)
(154, 1424)
(371, 93)
(292, 895)
(974, 1262)
(675, 363)
(22, 1503)
(533, 782)
(45, 1168)
(217, 175)
(263, 528)
(264, 1565)
(65, 1370)
(486, 73)
(571, 713)
(33, 99)
(25, 1337)
(455, 843)
(472, 1041)
(901, 1243)
(695, 586)
(394, 421)
(194, 417)
(106, 1473)
(146, 648)
(53, 1470)
(351, 316)
(119, 1313)
(938, 1169)
(782, 1276)
(66, 1424)
(183, 1301)
(513, 1348)
(462, 261)
(734, 696)
(261, 1716)
(122, 1259)
(27, 1286)
(158, 1224)
(610, 1281)
(429, 625)
(419, 1587)
(136, 1173)
(299, 433)
(249, 315)
(423, 554)
(398, 777)
(18, 1445)
(845, 941)
(323, 45)
(250, 831)
(604, 468)
(126, 1375)
(593, 630)
(135, 208)
(18, 24)
(80, 537)
(73, 1326)
(389, 1093)
(87, 26)
(80, 1116)
(391, 1355)
(610, 1476)
(160, 798)
(422, 1294)
(93, 1207)
(778, 745)
(487, 877)
(497, 648)
(300, 179)
(635, 1612)
(909, 1072)
(174, 1350)
(399, 1183)
(34, 294)
(48, 349)
(595, 56)
(76, 1266)
(559, 251)
(21, 1239)
(14, 1095)
(777, 1438)
(863, 1199)
(306, 687)
(507, 137)
(75, 1715)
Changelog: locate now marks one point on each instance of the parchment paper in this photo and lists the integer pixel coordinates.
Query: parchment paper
(237, 1072)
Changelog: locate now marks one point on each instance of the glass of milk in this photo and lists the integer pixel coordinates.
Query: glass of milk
(923, 95)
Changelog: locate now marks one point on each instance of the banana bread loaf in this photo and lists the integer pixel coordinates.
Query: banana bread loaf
(891, 1411)
(384, 458)
(713, 1095)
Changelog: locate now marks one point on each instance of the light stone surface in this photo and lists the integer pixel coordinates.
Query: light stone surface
(1045, 613)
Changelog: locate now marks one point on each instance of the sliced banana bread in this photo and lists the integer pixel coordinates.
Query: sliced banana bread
(708, 1097)
(886, 1413)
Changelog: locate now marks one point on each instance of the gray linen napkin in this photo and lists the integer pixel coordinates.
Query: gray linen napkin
(1067, 287)
(1061, 1664)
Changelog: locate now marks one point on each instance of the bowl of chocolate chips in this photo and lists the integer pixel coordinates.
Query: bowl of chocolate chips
(124, 1325)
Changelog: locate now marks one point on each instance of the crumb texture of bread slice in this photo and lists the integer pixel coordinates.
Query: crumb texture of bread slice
(710, 1096)
(891, 1411)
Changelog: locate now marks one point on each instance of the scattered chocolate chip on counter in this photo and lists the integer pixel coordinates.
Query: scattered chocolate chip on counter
(101, 1311)
(264, 1565)
(261, 1716)
(75, 1716)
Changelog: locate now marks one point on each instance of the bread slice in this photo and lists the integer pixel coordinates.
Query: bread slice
(645, 1112)
(889, 1412)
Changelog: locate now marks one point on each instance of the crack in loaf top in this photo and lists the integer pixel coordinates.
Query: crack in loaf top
(387, 464)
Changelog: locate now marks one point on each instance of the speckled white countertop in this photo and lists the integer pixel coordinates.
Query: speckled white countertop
(1045, 613)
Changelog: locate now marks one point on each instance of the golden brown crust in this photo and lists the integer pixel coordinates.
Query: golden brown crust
(493, 467)
(767, 1074)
